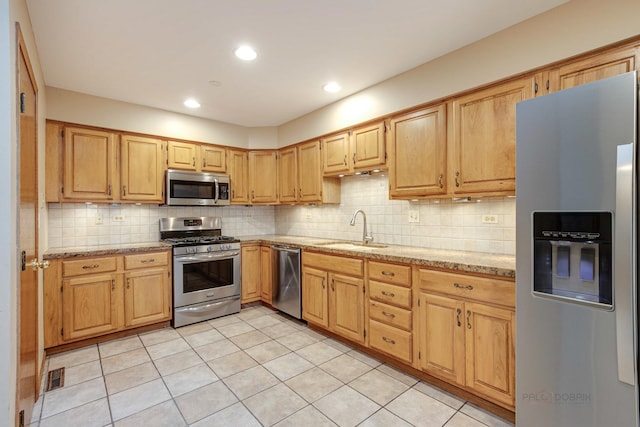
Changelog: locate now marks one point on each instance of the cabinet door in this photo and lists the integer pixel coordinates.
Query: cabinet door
(310, 172)
(288, 176)
(147, 297)
(89, 164)
(250, 258)
(266, 278)
(239, 176)
(490, 351)
(142, 169)
(315, 307)
(263, 176)
(418, 154)
(213, 159)
(368, 147)
(589, 70)
(484, 139)
(336, 157)
(346, 312)
(91, 305)
(441, 336)
(182, 155)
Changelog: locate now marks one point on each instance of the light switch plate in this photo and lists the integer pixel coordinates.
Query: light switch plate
(414, 216)
(99, 219)
(117, 218)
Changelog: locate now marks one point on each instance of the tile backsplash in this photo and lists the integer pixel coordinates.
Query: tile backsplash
(74, 224)
(442, 224)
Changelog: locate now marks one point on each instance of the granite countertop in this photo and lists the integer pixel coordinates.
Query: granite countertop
(121, 248)
(470, 262)
(463, 261)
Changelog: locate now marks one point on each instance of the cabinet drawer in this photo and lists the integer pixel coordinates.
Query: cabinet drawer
(390, 273)
(349, 266)
(390, 294)
(390, 315)
(152, 259)
(493, 291)
(393, 341)
(83, 266)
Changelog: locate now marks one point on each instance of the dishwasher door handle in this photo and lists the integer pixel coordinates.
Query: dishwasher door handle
(285, 248)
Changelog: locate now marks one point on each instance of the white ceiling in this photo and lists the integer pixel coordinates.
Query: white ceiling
(159, 52)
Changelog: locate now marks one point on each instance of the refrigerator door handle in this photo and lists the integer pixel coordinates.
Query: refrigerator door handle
(624, 264)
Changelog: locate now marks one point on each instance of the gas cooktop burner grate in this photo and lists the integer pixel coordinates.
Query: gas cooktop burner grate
(199, 240)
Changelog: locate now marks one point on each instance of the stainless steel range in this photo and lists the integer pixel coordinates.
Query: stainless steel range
(206, 269)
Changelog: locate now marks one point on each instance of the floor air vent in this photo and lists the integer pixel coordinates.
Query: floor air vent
(56, 379)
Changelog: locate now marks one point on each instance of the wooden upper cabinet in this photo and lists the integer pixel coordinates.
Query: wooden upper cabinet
(288, 182)
(182, 155)
(238, 169)
(213, 158)
(196, 157)
(263, 176)
(417, 153)
(142, 169)
(597, 67)
(89, 164)
(312, 186)
(336, 157)
(483, 149)
(368, 146)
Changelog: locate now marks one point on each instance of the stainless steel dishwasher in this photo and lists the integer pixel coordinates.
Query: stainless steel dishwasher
(286, 293)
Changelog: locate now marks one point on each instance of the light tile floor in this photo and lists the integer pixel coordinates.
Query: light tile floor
(249, 369)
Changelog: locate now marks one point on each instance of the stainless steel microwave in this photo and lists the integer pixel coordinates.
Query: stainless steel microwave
(197, 189)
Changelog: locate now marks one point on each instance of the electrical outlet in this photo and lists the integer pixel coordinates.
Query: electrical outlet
(489, 219)
(307, 215)
(99, 219)
(414, 216)
(117, 218)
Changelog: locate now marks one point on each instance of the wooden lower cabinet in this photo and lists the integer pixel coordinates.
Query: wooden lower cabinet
(463, 337)
(333, 294)
(86, 297)
(91, 305)
(250, 282)
(266, 274)
(147, 297)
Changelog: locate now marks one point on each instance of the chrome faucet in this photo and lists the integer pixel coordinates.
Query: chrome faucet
(366, 238)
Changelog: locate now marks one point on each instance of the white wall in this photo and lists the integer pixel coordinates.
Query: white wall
(573, 28)
(92, 110)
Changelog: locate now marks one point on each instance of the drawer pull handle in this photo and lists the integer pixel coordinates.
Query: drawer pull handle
(468, 319)
(388, 294)
(391, 315)
(458, 312)
(90, 267)
(145, 261)
(388, 340)
(459, 286)
(388, 273)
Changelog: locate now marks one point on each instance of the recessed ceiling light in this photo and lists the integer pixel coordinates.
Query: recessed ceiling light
(246, 53)
(191, 103)
(215, 83)
(332, 87)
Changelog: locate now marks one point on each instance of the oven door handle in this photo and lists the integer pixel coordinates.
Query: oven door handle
(207, 257)
(207, 306)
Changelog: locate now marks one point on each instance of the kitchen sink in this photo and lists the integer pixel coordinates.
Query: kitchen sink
(352, 245)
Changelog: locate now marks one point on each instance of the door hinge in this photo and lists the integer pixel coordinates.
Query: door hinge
(61, 288)
(365, 333)
(385, 156)
(23, 261)
(21, 418)
(419, 356)
(363, 290)
(23, 96)
(418, 303)
(168, 274)
(62, 189)
(547, 84)
(62, 332)
(62, 133)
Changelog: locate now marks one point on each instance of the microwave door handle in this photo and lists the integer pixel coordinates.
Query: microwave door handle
(217, 196)
(624, 265)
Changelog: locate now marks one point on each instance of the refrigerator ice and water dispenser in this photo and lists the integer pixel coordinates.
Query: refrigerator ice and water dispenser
(573, 257)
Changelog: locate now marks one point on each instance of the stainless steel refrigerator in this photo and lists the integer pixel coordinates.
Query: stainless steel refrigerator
(576, 256)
